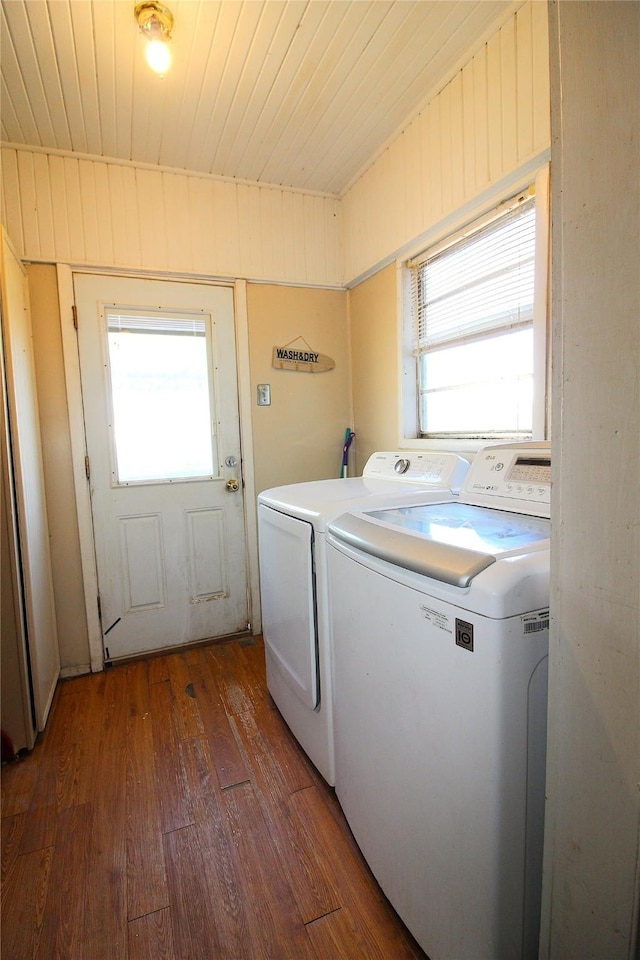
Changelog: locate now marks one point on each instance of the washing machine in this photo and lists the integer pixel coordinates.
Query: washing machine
(439, 620)
(292, 522)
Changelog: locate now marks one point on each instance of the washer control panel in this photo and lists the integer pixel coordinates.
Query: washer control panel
(519, 476)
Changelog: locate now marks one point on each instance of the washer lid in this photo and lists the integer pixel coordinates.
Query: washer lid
(451, 542)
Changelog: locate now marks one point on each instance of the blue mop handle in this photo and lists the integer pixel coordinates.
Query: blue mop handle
(348, 440)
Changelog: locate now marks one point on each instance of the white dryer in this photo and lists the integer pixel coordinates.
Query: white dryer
(440, 617)
(292, 522)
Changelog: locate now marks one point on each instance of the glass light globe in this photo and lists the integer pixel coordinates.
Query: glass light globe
(158, 56)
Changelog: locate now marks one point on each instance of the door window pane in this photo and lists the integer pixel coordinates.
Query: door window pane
(162, 416)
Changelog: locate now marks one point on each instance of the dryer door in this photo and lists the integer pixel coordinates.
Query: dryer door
(289, 622)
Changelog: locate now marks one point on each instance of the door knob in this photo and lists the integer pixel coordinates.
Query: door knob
(232, 485)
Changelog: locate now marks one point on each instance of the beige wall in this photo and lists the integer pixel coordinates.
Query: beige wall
(374, 358)
(56, 452)
(300, 435)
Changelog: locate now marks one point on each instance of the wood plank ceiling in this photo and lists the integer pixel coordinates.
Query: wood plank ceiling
(299, 93)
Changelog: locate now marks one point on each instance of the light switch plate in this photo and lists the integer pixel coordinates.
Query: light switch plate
(264, 394)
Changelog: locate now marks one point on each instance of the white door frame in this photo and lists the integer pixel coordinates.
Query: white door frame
(78, 446)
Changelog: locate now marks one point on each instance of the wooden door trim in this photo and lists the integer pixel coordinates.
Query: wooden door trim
(78, 452)
(245, 399)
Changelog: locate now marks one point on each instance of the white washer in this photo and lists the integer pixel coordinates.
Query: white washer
(440, 637)
(295, 615)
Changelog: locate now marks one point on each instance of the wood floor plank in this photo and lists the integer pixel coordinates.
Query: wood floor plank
(251, 667)
(253, 654)
(314, 886)
(69, 717)
(277, 930)
(222, 870)
(64, 758)
(174, 796)
(258, 724)
(10, 841)
(42, 815)
(185, 704)
(24, 901)
(276, 760)
(89, 727)
(114, 716)
(105, 929)
(159, 669)
(77, 759)
(18, 780)
(338, 936)
(138, 701)
(382, 935)
(229, 762)
(147, 889)
(227, 669)
(67, 901)
(195, 655)
(279, 770)
(193, 908)
(151, 937)
(68, 772)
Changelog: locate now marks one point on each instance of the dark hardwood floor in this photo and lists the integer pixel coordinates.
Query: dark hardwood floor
(168, 814)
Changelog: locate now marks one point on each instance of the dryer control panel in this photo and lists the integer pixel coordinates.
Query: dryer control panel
(513, 477)
(439, 469)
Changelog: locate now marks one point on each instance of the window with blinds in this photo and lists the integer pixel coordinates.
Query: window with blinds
(473, 300)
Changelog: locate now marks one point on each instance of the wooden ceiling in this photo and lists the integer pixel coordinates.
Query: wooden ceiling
(300, 93)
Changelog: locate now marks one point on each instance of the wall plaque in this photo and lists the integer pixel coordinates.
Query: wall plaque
(299, 356)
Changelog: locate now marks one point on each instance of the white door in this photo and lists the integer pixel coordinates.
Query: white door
(158, 369)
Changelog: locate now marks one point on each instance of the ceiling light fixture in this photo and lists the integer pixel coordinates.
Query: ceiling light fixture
(155, 22)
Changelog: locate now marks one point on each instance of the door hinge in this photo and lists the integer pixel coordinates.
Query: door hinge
(87, 467)
(99, 609)
(74, 314)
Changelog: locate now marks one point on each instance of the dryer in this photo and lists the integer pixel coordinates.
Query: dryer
(292, 522)
(440, 617)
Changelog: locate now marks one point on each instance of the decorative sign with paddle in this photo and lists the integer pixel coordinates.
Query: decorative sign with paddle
(299, 356)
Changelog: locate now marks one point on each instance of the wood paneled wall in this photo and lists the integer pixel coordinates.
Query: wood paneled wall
(59, 208)
(490, 120)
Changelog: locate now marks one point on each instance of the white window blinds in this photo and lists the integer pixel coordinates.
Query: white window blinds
(185, 325)
(479, 285)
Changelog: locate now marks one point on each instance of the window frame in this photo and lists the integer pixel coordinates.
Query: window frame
(451, 231)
